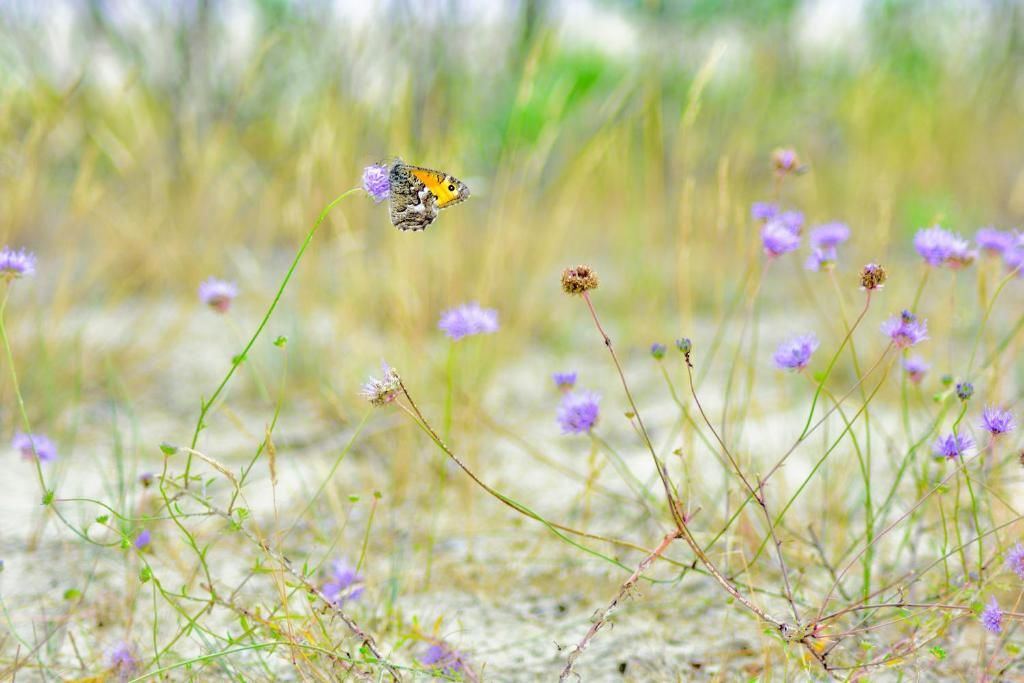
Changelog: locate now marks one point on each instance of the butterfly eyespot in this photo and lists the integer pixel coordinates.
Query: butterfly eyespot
(451, 188)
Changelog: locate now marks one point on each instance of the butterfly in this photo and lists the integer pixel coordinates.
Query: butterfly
(417, 194)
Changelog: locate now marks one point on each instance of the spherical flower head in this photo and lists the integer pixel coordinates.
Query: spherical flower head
(997, 421)
(821, 259)
(953, 445)
(964, 390)
(579, 279)
(829, 235)
(445, 658)
(785, 160)
(564, 380)
(684, 345)
(467, 320)
(34, 445)
(905, 330)
(994, 241)
(343, 583)
(382, 391)
(992, 617)
(938, 246)
(795, 353)
(763, 211)
(218, 294)
(658, 350)
(778, 239)
(916, 368)
(872, 277)
(16, 264)
(143, 539)
(123, 661)
(578, 412)
(146, 479)
(1015, 560)
(377, 182)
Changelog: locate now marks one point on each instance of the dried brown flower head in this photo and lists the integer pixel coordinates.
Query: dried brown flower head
(872, 276)
(579, 279)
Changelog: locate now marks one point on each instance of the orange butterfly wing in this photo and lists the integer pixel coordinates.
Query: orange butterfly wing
(441, 185)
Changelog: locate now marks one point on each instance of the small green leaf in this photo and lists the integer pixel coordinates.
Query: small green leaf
(353, 498)
(145, 574)
(280, 341)
(102, 519)
(72, 594)
(238, 360)
(937, 652)
(48, 497)
(168, 449)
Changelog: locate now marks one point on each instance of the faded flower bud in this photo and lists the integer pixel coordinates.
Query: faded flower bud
(579, 279)
(872, 276)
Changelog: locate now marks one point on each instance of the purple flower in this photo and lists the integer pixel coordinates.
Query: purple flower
(376, 182)
(794, 354)
(997, 421)
(992, 617)
(143, 539)
(578, 412)
(123, 661)
(444, 657)
(821, 259)
(32, 445)
(938, 246)
(218, 294)
(793, 220)
(763, 211)
(146, 479)
(384, 390)
(343, 583)
(1014, 259)
(658, 350)
(15, 264)
(467, 320)
(564, 380)
(829, 235)
(953, 445)
(785, 160)
(994, 241)
(1015, 560)
(916, 368)
(778, 238)
(905, 330)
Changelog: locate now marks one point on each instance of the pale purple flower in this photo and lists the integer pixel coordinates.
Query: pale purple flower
(658, 350)
(384, 390)
(344, 583)
(997, 421)
(1014, 259)
(146, 479)
(821, 259)
(123, 661)
(578, 412)
(447, 659)
(953, 445)
(1015, 560)
(218, 294)
(467, 320)
(992, 617)
(778, 239)
(995, 241)
(15, 264)
(938, 246)
(795, 353)
(785, 160)
(793, 220)
(916, 368)
(905, 329)
(828, 235)
(763, 211)
(564, 380)
(376, 182)
(143, 539)
(44, 448)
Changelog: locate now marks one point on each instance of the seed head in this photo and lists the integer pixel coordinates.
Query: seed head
(872, 276)
(579, 279)
(684, 345)
(964, 390)
(382, 391)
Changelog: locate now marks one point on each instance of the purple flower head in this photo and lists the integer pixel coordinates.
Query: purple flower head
(938, 246)
(793, 220)
(1014, 259)
(123, 661)
(964, 390)
(467, 320)
(564, 380)
(997, 421)
(778, 239)
(382, 391)
(1015, 560)
(15, 264)
(953, 445)
(376, 182)
(994, 241)
(344, 583)
(795, 353)
(143, 539)
(992, 617)
(821, 259)
(763, 211)
(829, 235)
(658, 350)
(447, 659)
(905, 329)
(146, 479)
(785, 160)
(916, 368)
(578, 412)
(218, 294)
(32, 445)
